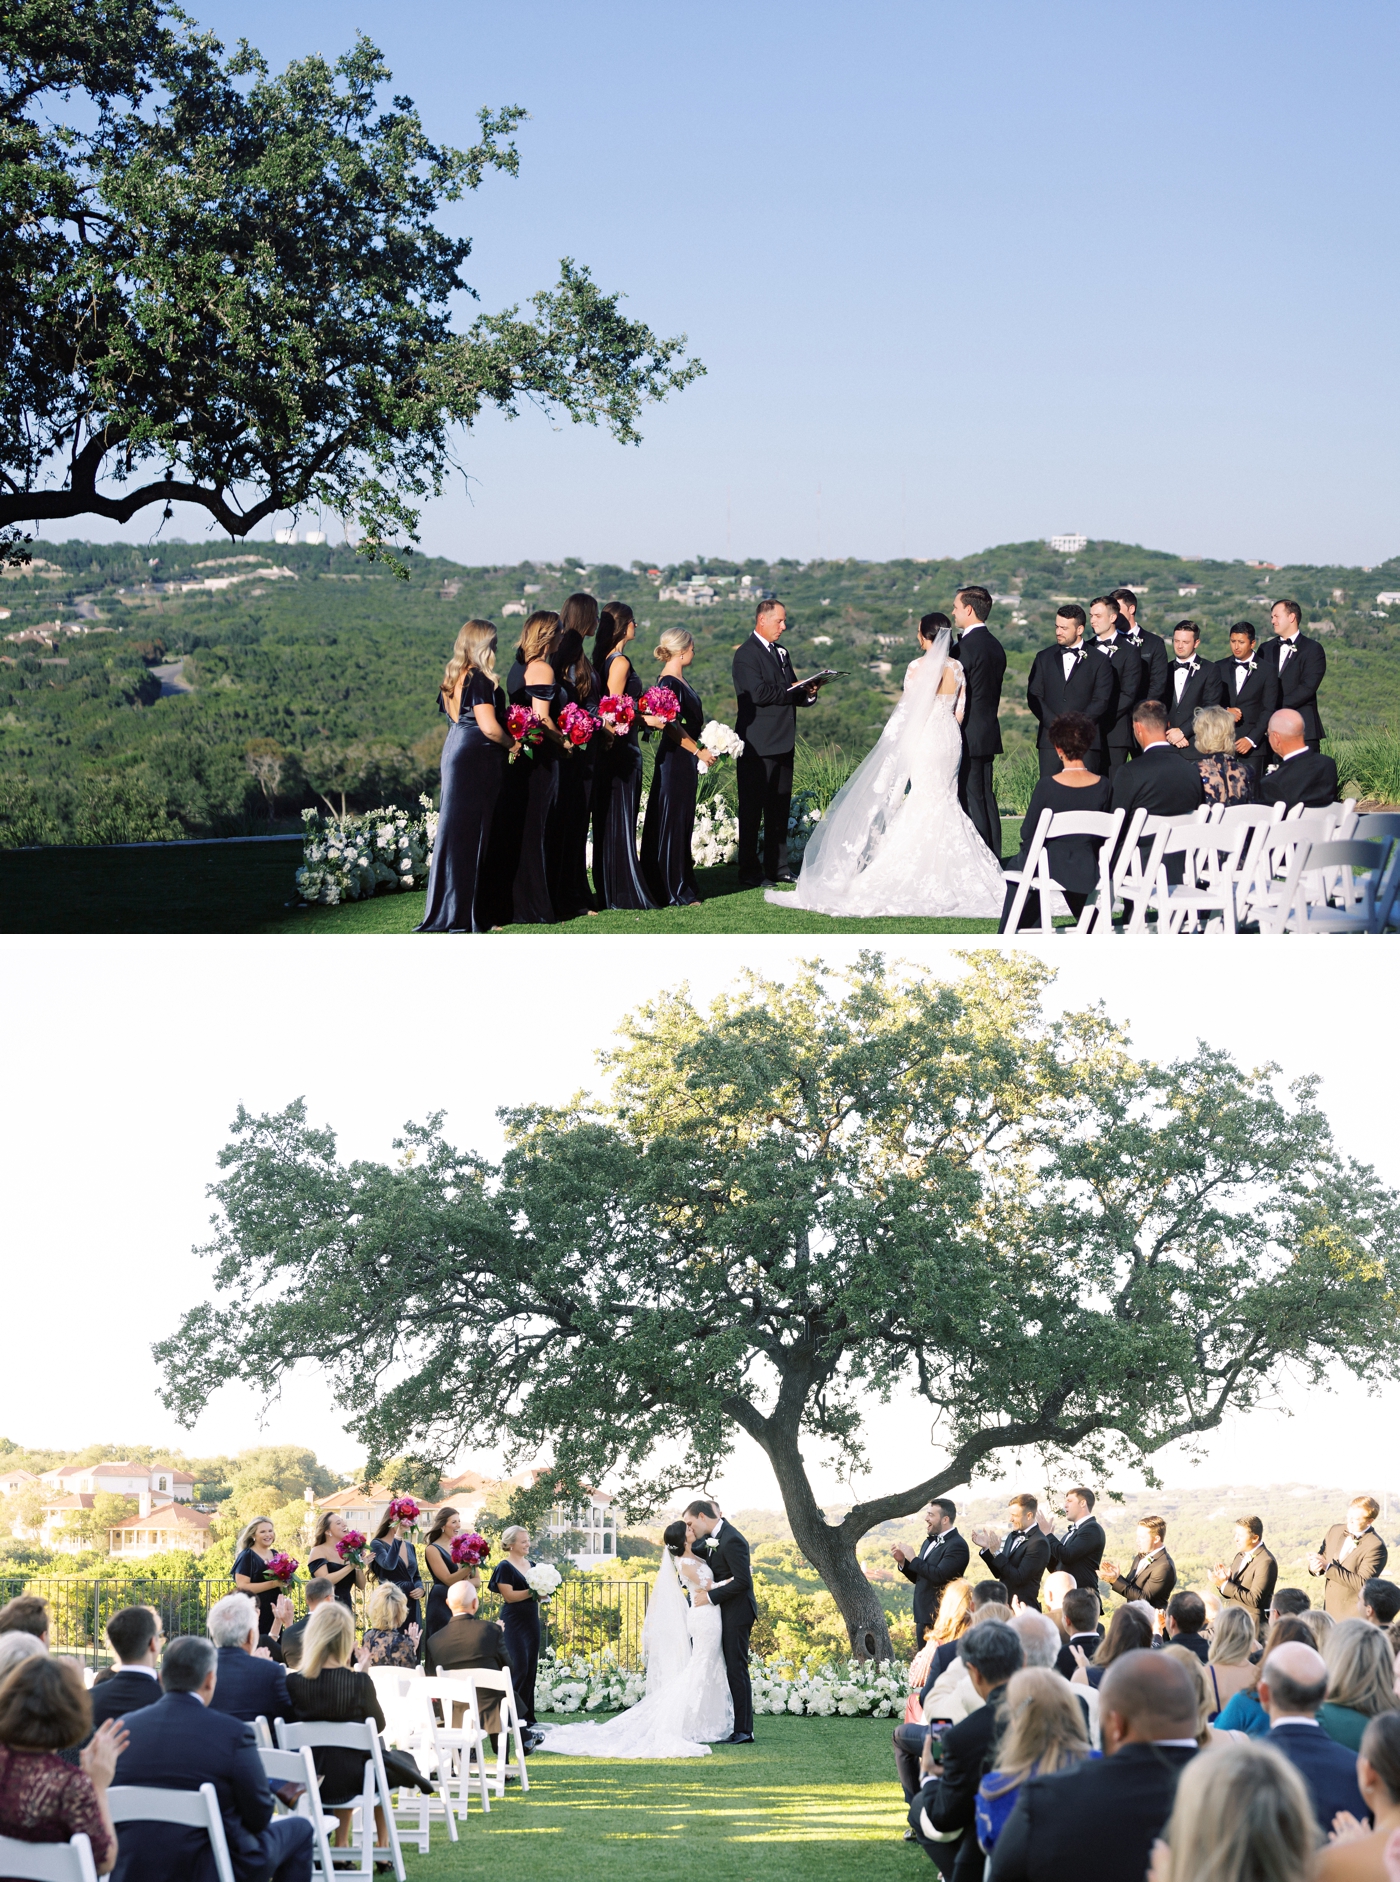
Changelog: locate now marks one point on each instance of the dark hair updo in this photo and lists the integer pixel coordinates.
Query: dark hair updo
(674, 1536)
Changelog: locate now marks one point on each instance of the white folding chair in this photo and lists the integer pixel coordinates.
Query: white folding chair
(1381, 826)
(498, 1686)
(1364, 901)
(1220, 863)
(318, 1735)
(194, 1810)
(48, 1862)
(299, 1767)
(454, 1742)
(1097, 913)
(1134, 875)
(1273, 858)
(262, 1732)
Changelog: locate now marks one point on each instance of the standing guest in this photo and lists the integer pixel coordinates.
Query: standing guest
(1044, 1733)
(473, 770)
(1226, 778)
(1241, 1815)
(1292, 1683)
(317, 1591)
(396, 1559)
(1299, 666)
(437, 1553)
(1302, 775)
(255, 1545)
(26, 1614)
(249, 1686)
(942, 1558)
(468, 1641)
(1192, 682)
(617, 781)
(1250, 1579)
(1023, 1557)
(1359, 1854)
(43, 1798)
(1360, 1681)
(1082, 1630)
(578, 686)
(667, 863)
(390, 1640)
(1110, 632)
(1074, 860)
(1129, 1631)
(1350, 1554)
(1080, 1549)
(136, 1637)
(946, 1803)
(768, 696)
(1380, 1602)
(1151, 1577)
(1151, 649)
(1148, 1720)
(1064, 678)
(325, 1562)
(1229, 1666)
(1245, 1711)
(521, 1617)
(1185, 1617)
(983, 661)
(1251, 695)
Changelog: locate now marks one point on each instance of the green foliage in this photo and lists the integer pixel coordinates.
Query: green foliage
(1368, 767)
(25, 817)
(821, 770)
(121, 810)
(1015, 775)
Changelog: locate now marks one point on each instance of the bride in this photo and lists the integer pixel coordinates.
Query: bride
(687, 1705)
(895, 840)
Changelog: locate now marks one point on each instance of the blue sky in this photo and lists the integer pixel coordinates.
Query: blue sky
(977, 274)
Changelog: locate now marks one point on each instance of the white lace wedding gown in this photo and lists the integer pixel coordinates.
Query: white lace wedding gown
(687, 1705)
(895, 840)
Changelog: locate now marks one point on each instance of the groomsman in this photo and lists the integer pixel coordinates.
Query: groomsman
(1110, 631)
(1251, 1578)
(941, 1559)
(1299, 664)
(1022, 1558)
(1151, 648)
(1251, 695)
(1067, 678)
(1080, 1549)
(1194, 682)
(1350, 1555)
(984, 663)
(1302, 776)
(1152, 1573)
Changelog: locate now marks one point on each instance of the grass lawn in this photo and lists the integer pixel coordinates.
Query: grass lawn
(812, 1796)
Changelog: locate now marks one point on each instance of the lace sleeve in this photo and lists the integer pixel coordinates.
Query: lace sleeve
(695, 1574)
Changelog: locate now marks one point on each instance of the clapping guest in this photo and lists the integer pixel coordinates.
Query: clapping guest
(578, 686)
(1241, 1815)
(617, 788)
(1359, 1854)
(1023, 1557)
(326, 1563)
(1229, 1666)
(1074, 860)
(1292, 1684)
(1250, 1580)
(667, 863)
(940, 1561)
(1080, 1549)
(1226, 778)
(43, 1798)
(443, 1573)
(1360, 1681)
(395, 1559)
(1151, 1576)
(1350, 1554)
(389, 1638)
(250, 1685)
(136, 1637)
(473, 769)
(1044, 1733)
(252, 1551)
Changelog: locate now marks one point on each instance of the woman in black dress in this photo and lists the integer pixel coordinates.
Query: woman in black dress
(395, 1559)
(257, 1542)
(1225, 777)
(523, 866)
(670, 820)
(473, 767)
(617, 789)
(520, 1618)
(326, 1562)
(1074, 860)
(437, 1554)
(577, 686)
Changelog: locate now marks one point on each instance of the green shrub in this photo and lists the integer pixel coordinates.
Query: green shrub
(1014, 777)
(821, 770)
(1368, 766)
(25, 818)
(121, 810)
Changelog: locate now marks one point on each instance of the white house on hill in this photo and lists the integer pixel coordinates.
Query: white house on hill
(364, 1507)
(121, 1479)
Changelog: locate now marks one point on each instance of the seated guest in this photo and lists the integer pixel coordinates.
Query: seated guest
(1074, 860)
(469, 1641)
(949, 1695)
(390, 1640)
(1291, 1601)
(26, 1614)
(1186, 1616)
(1319, 1624)
(1196, 1673)
(1148, 1714)
(1359, 1855)
(1245, 1711)
(946, 1805)
(1350, 1555)
(250, 1686)
(317, 1591)
(1161, 780)
(1250, 1579)
(1023, 1556)
(1129, 1631)
(1379, 1601)
(1292, 1686)
(1241, 1815)
(1191, 683)
(1044, 1733)
(182, 1742)
(1301, 776)
(1360, 1681)
(136, 1637)
(1082, 1629)
(1229, 1665)
(1226, 778)
(939, 1652)
(1039, 1637)
(1151, 1576)
(17, 1647)
(43, 1799)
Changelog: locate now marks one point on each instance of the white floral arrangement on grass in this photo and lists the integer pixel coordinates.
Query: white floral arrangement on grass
(834, 1689)
(804, 814)
(345, 859)
(722, 740)
(715, 838)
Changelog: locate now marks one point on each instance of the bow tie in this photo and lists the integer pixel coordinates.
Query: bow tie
(1135, 638)
(1184, 666)
(1107, 647)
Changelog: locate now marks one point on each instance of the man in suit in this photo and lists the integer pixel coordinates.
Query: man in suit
(251, 1683)
(983, 661)
(766, 688)
(1080, 1549)
(1298, 664)
(1192, 683)
(182, 1742)
(1147, 1717)
(1185, 1617)
(1292, 1686)
(1068, 678)
(1302, 776)
(942, 1557)
(1350, 1555)
(468, 1641)
(1251, 1578)
(1379, 1602)
(728, 1555)
(1151, 1576)
(1110, 635)
(1151, 649)
(136, 1636)
(1160, 781)
(1081, 1611)
(318, 1589)
(1251, 695)
(1023, 1557)
(947, 1801)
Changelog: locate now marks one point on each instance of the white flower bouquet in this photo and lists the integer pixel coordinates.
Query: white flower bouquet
(715, 837)
(345, 859)
(544, 1578)
(842, 1688)
(722, 740)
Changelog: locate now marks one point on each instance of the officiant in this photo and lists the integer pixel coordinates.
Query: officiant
(768, 696)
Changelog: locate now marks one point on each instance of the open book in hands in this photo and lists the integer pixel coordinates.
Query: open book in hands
(816, 679)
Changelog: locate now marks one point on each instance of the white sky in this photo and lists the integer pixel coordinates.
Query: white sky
(125, 1068)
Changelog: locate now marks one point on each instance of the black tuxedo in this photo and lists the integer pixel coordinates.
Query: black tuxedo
(1156, 657)
(1019, 1564)
(1257, 700)
(1202, 686)
(1150, 1581)
(1122, 1802)
(983, 661)
(250, 1688)
(1089, 689)
(1079, 1551)
(767, 722)
(1126, 662)
(950, 1801)
(1163, 781)
(128, 1690)
(469, 1641)
(941, 1560)
(729, 1561)
(1308, 777)
(1089, 1644)
(1250, 1585)
(1346, 1579)
(1298, 678)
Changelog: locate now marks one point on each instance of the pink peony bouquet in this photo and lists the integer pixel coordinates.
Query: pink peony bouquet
(404, 1510)
(470, 1548)
(282, 1567)
(522, 724)
(351, 1548)
(577, 725)
(617, 712)
(659, 702)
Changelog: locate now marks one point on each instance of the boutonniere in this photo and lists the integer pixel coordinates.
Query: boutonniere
(710, 1543)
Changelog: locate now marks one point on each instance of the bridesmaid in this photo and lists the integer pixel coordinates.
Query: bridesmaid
(577, 625)
(324, 1560)
(670, 819)
(530, 899)
(257, 1542)
(520, 1618)
(617, 878)
(437, 1553)
(396, 1560)
(473, 767)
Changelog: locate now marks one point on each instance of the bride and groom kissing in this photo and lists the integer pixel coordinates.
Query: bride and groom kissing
(697, 1652)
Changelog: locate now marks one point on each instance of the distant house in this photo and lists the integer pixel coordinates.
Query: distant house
(160, 1524)
(1069, 545)
(696, 592)
(515, 607)
(1390, 599)
(122, 1479)
(1188, 588)
(14, 1480)
(364, 1507)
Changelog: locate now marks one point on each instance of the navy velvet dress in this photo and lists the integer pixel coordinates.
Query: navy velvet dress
(617, 791)
(520, 1622)
(569, 890)
(387, 1554)
(670, 820)
(251, 1564)
(472, 771)
(530, 898)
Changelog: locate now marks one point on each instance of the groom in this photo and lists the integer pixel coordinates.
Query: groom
(727, 1553)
